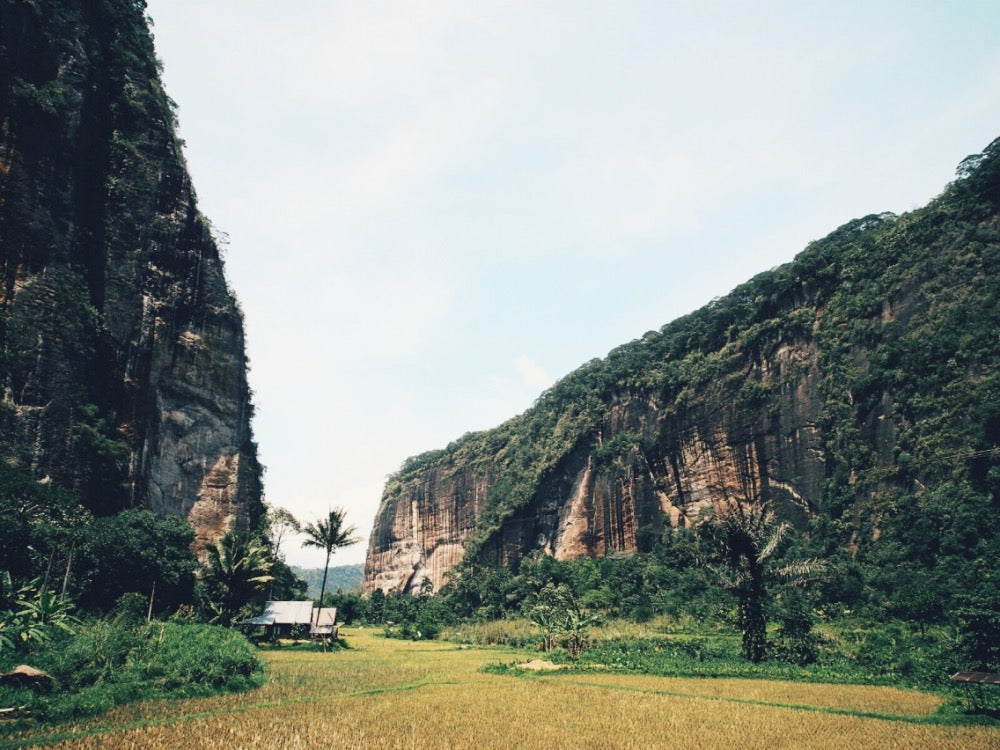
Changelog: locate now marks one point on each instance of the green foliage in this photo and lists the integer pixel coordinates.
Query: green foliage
(131, 609)
(796, 640)
(749, 538)
(137, 551)
(285, 583)
(110, 662)
(46, 533)
(559, 615)
(236, 575)
(979, 627)
(412, 617)
(851, 652)
(38, 615)
(39, 526)
(102, 458)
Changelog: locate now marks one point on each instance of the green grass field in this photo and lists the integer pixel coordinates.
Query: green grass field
(385, 693)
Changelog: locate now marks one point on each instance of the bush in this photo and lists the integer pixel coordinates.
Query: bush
(195, 660)
(113, 662)
(796, 642)
(979, 627)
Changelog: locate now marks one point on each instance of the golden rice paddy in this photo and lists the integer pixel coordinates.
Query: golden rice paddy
(397, 694)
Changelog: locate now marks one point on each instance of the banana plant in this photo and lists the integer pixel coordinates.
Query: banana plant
(37, 614)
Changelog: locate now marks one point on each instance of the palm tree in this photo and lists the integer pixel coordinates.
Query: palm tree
(238, 566)
(328, 534)
(749, 538)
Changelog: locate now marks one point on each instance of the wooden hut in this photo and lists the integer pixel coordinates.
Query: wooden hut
(282, 619)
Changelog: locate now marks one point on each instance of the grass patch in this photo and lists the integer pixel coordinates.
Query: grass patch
(387, 693)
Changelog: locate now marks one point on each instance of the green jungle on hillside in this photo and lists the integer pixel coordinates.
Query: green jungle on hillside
(926, 502)
(892, 577)
(743, 594)
(905, 530)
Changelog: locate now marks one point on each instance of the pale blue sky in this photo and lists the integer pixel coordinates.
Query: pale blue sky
(436, 209)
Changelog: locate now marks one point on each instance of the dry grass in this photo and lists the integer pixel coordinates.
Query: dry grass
(492, 633)
(859, 698)
(395, 694)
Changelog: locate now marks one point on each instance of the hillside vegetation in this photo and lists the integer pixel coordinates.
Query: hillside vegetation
(856, 390)
(339, 578)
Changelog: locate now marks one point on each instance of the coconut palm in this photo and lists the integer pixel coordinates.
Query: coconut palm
(749, 538)
(329, 534)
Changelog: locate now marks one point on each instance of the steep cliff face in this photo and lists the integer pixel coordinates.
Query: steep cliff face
(639, 468)
(123, 365)
(840, 385)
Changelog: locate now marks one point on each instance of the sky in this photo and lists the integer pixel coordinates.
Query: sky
(432, 211)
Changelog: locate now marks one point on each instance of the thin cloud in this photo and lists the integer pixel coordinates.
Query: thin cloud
(532, 374)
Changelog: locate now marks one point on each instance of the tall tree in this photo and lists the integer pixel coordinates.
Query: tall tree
(329, 534)
(280, 523)
(749, 537)
(137, 551)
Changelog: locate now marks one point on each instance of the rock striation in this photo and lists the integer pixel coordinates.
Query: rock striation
(640, 469)
(122, 359)
(839, 386)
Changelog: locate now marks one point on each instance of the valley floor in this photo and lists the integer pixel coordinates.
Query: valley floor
(386, 693)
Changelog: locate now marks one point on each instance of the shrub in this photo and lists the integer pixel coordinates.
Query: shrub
(111, 662)
(796, 642)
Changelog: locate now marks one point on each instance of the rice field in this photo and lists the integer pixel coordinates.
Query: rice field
(397, 694)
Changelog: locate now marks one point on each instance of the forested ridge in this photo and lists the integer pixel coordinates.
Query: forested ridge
(855, 389)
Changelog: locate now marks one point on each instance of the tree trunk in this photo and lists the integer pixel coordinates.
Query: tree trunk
(322, 588)
(753, 621)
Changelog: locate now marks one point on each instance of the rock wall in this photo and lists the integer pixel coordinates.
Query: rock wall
(422, 526)
(123, 364)
(665, 472)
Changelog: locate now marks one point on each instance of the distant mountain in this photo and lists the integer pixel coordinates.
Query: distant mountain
(340, 578)
(856, 388)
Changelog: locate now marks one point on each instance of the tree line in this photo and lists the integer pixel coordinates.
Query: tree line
(57, 558)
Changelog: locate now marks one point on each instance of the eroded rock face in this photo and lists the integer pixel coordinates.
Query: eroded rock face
(421, 529)
(591, 504)
(123, 365)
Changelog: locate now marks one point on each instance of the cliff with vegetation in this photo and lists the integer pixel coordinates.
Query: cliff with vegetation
(856, 388)
(122, 361)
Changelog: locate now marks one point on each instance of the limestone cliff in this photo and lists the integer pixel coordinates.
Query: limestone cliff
(123, 365)
(838, 385)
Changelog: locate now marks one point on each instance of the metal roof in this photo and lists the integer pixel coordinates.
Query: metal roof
(982, 678)
(327, 617)
(283, 613)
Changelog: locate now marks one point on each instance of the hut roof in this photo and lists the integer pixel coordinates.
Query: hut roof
(324, 621)
(283, 613)
(327, 616)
